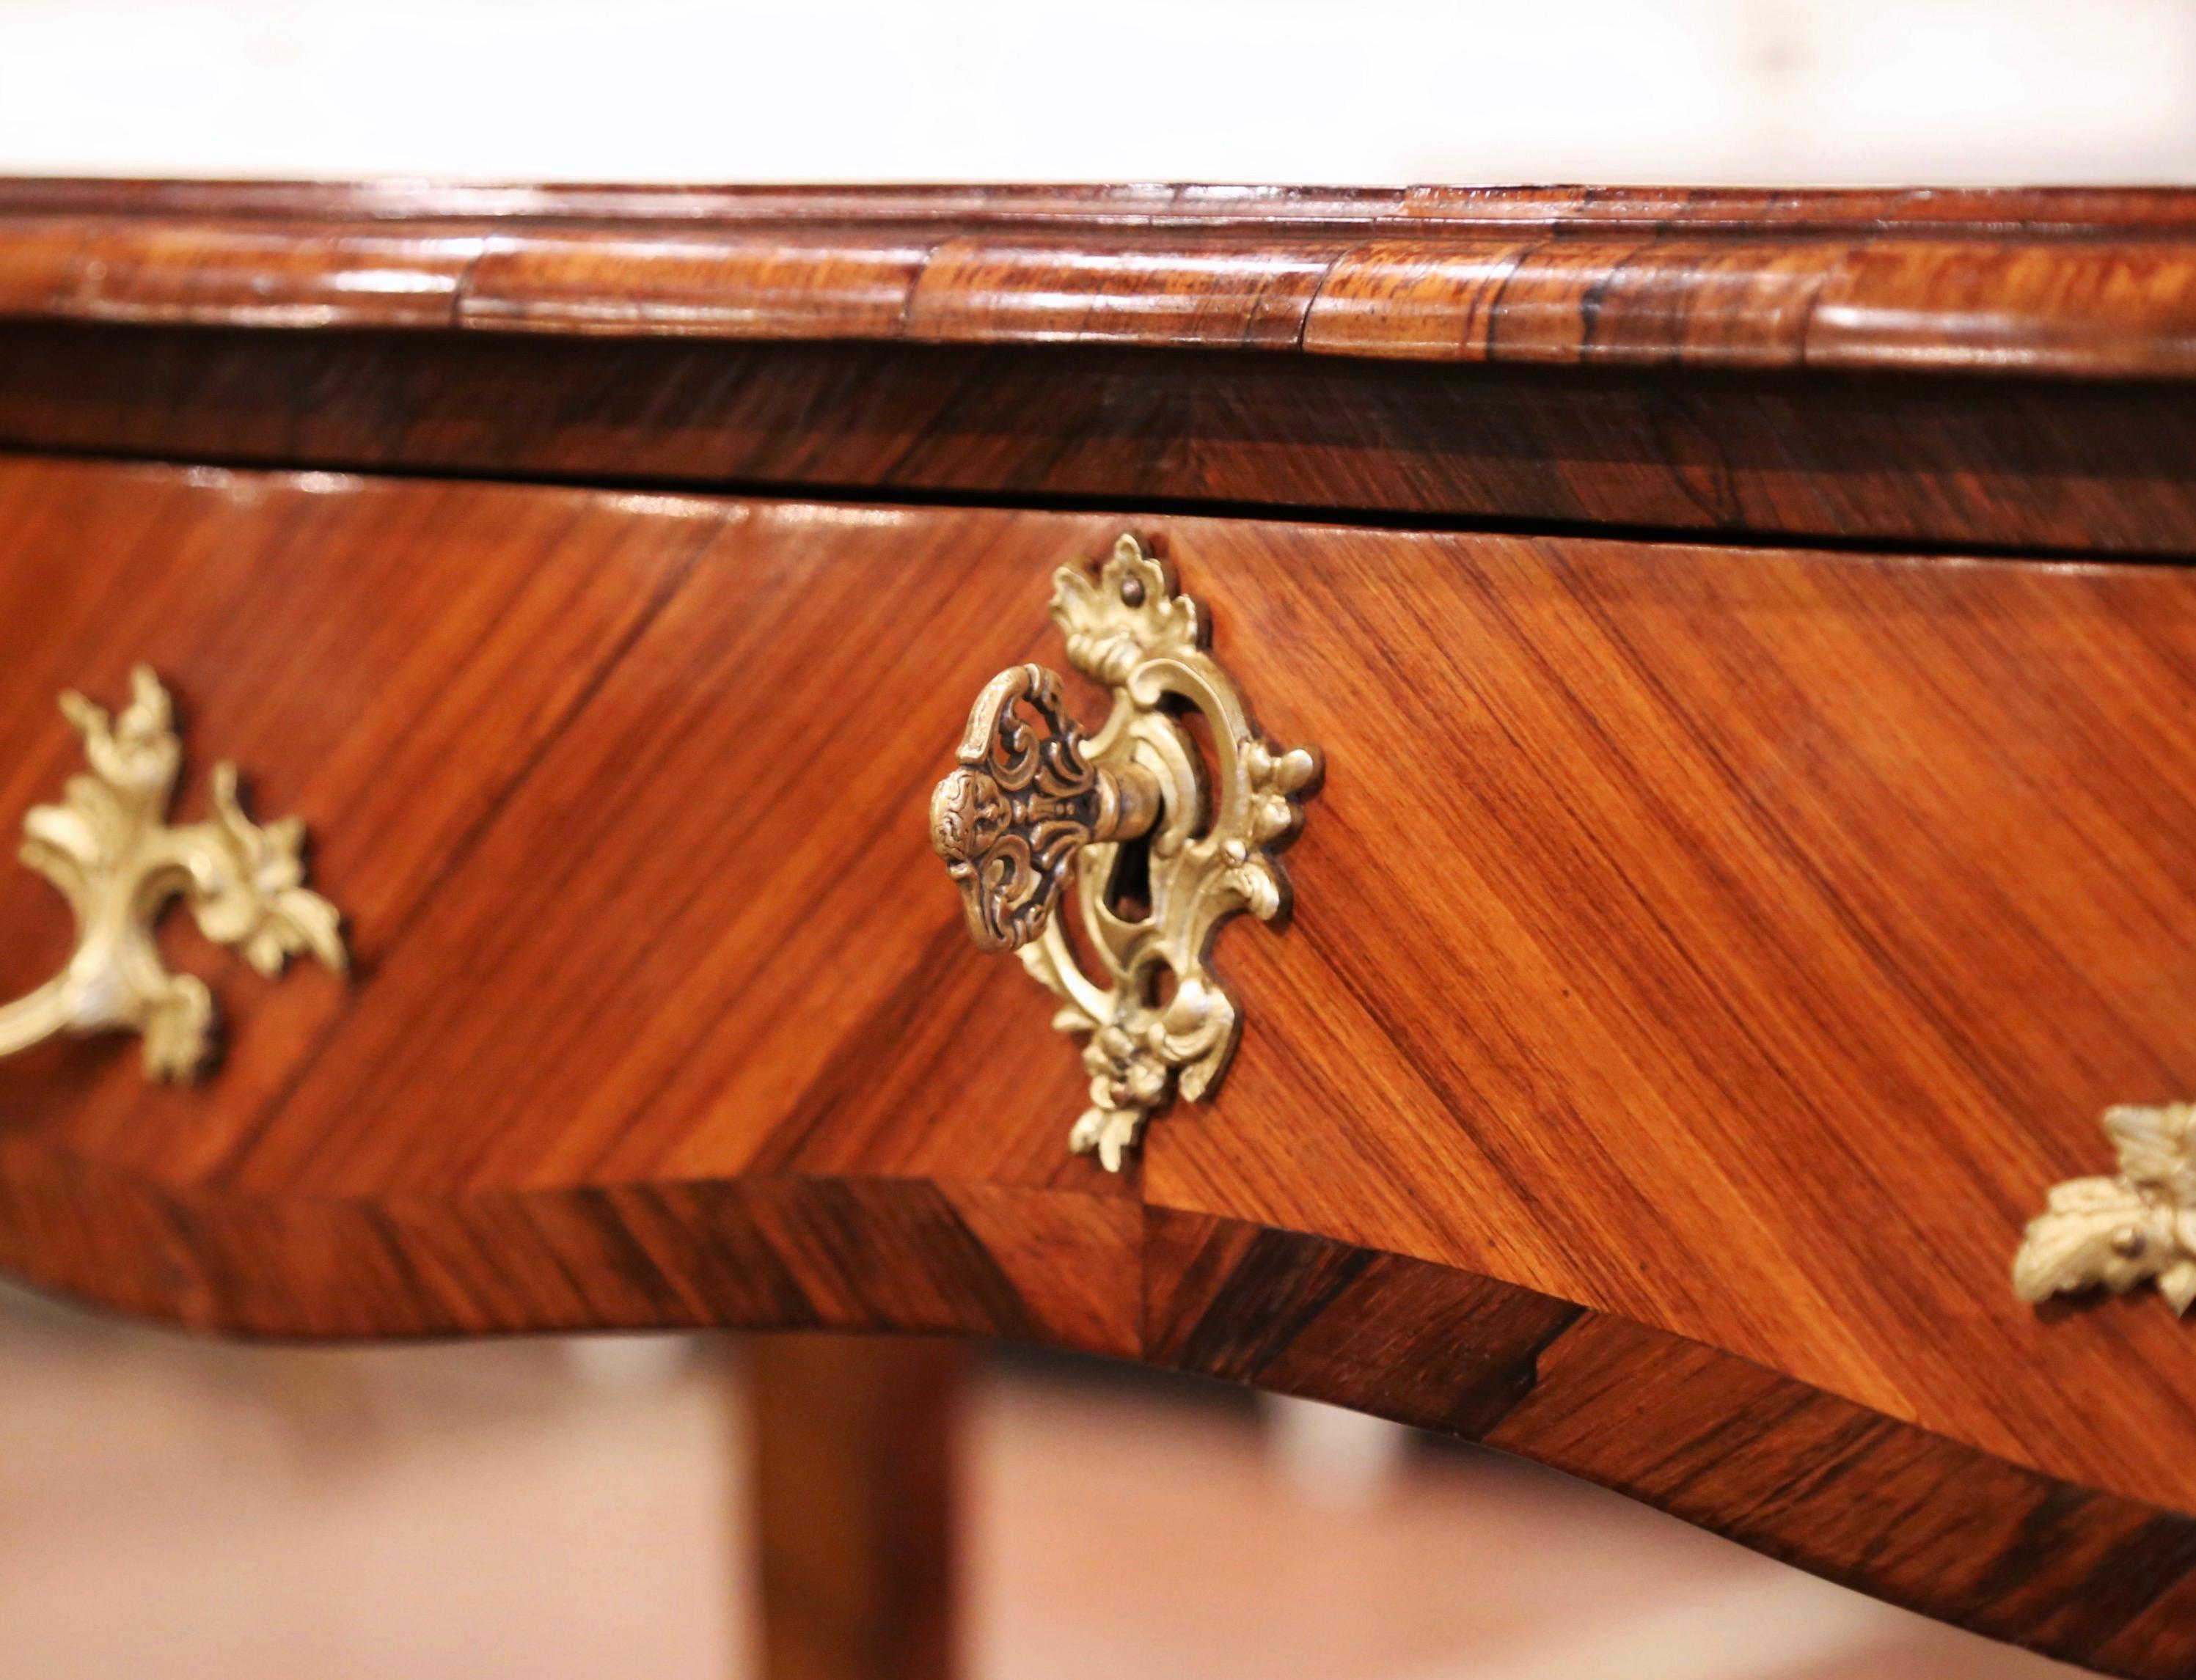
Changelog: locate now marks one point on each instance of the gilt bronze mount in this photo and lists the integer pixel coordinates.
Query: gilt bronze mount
(2114, 1233)
(1035, 804)
(109, 849)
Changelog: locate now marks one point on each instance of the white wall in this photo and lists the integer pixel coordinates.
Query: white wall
(1325, 91)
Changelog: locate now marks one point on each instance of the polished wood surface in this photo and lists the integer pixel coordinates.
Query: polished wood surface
(856, 1450)
(1995, 369)
(1703, 959)
(2076, 282)
(2072, 467)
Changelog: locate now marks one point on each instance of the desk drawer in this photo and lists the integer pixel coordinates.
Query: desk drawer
(1734, 943)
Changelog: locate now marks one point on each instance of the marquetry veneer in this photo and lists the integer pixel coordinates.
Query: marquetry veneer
(1755, 676)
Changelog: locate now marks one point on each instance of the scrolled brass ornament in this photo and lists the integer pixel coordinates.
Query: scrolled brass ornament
(2117, 1232)
(1035, 804)
(1010, 820)
(108, 848)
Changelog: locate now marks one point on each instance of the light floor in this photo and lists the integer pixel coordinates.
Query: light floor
(172, 1509)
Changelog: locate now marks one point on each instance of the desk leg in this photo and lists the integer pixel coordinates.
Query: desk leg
(856, 1449)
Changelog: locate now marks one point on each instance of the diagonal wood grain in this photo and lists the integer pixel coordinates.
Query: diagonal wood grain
(1704, 959)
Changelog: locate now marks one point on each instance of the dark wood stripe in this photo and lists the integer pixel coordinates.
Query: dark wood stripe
(2011, 464)
(1805, 1476)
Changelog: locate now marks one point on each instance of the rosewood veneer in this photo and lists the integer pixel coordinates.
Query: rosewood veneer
(1752, 645)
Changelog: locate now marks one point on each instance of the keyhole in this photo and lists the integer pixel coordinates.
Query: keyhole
(1128, 887)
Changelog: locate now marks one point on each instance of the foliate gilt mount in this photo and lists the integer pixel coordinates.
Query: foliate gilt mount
(2117, 1232)
(109, 849)
(1036, 805)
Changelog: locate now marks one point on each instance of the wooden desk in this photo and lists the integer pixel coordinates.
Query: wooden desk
(1749, 644)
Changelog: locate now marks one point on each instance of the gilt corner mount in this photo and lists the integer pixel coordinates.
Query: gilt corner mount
(1160, 848)
(109, 849)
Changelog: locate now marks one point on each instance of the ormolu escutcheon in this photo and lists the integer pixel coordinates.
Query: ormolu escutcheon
(1010, 819)
(1037, 804)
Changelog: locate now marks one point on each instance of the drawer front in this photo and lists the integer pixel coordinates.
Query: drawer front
(1735, 944)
